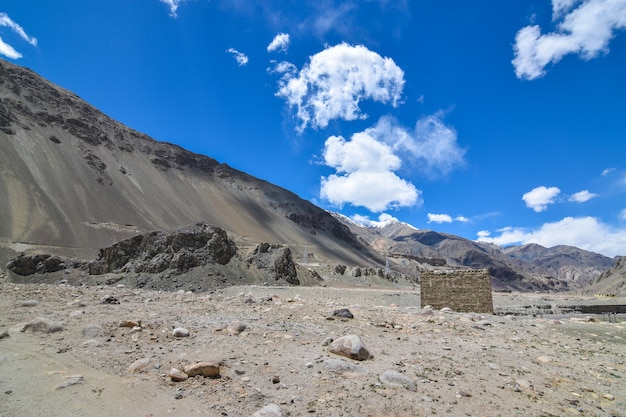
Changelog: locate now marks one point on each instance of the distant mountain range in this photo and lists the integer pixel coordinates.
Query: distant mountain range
(75, 180)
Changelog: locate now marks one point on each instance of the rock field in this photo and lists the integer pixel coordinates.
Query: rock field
(102, 351)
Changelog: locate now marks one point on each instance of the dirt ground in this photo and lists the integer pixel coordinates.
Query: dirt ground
(64, 353)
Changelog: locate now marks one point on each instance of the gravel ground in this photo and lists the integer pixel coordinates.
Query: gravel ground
(74, 351)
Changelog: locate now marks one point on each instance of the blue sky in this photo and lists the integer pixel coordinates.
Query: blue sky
(498, 121)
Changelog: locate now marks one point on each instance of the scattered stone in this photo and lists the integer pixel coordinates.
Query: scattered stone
(43, 326)
(464, 394)
(275, 379)
(483, 323)
(91, 343)
(111, 300)
(351, 347)
(91, 330)
(205, 369)
(139, 365)
(129, 323)
(544, 359)
(446, 310)
(236, 327)
(180, 332)
(72, 380)
(327, 341)
(343, 367)
(4, 334)
(29, 303)
(270, 410)
(343, 313)
(609, 397)
(397, 379)
(177, 375)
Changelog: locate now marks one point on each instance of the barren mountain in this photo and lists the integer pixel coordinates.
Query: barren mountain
(73, 181)
(611, 282)
(515, 268)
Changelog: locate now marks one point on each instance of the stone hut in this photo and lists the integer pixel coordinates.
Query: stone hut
(461, 290)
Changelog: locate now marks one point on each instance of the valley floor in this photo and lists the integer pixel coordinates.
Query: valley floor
(101, 351)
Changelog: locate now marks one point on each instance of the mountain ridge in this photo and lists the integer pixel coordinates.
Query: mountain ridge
(78, 181)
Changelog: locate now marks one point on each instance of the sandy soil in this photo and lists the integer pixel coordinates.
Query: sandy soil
(445, 363)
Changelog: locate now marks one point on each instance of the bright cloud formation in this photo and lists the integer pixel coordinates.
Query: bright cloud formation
(279, 43)
(445, 218)
(585, 232)
(539, 198)
(365, 175)
(366, 165)
(241, 58)
(336, 80)
(582, 196)
(584, 30)
(6, 49)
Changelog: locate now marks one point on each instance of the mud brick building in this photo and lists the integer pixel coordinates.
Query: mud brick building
(462, 291)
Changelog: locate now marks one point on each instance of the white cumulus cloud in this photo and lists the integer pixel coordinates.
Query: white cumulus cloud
(279, 43)
(439, 218)
(241, 58)
(539, 198)
(584, 232)
(365, 175)
(8, 50)
(582, 196)
(336, 80)
(584, 30)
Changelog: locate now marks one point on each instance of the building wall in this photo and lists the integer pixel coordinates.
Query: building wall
(463, 291)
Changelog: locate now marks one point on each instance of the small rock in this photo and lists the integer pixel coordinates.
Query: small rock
(4, 334)
(111, 300)
(29, 303)
(609, 397)
(327, 341)
(394, 378)
(91, 343)
(91, 330)
(236, 327)
(351, 347)
(483, 323)
(275, 379)
(270, 410)
(139, 365)
(446, 310)
(129, 323)
(72, 380)
(43, 326)
(342, 367)
(177, 376)
(180, 332)
(544, 359)
(464, 394)
(343, 313)
(205, 369)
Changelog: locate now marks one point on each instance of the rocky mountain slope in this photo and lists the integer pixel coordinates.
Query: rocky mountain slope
(73, 181)
(76, 181)
(611, 282)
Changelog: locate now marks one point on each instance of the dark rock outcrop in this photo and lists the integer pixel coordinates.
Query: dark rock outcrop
(178, 250)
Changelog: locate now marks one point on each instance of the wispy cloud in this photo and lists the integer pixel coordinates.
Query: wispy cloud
(584, 232)
(8, 50)
(336, 80)
(585, 29)
(607, 171)
(539, 198)
(582, 196)
(279, 43)
(173, 6)
(241, 58)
